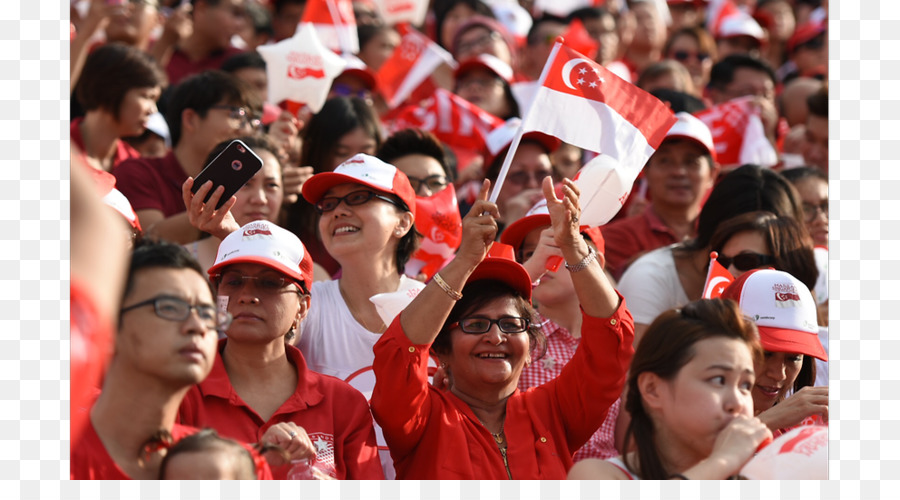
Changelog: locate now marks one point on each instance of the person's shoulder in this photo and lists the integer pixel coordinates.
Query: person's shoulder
(660, 257)
(595, 468)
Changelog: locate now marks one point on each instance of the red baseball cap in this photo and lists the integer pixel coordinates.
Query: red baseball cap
(263, 242)
(500, 265)
(539, 217)
(804, 33)
(368, 171)
(782, 307)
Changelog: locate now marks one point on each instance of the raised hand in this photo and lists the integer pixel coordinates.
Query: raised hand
(204, 216)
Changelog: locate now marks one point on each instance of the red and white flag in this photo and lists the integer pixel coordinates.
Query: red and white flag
(412, 62)
(438, 219)
(738, 133)
(402, 11)
(452, 119)
(717, 11)
(584, 104)
(300, 68)
(717, 278)
(335, 24)
(578, 38)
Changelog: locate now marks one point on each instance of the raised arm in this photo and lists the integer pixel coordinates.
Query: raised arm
(597, 296)
(423, 317)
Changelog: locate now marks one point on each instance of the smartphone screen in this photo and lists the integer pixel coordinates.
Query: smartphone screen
(232, 168)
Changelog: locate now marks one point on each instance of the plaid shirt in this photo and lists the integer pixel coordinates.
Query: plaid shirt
(561, 347)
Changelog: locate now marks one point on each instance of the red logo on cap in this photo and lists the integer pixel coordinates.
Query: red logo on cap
(254, 232)
(354, 160)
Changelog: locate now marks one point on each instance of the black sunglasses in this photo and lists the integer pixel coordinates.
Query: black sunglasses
(353, 199)
(746, 261)
(683, 55)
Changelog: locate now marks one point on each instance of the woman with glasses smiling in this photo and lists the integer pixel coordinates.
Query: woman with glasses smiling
(476, 317)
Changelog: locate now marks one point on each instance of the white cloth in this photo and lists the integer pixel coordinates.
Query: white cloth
(822, 366)
(651, 286)
(334, 343)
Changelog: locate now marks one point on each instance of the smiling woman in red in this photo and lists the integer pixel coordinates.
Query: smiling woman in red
(483, 427)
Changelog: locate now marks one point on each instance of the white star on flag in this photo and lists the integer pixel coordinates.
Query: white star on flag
(581, 81)
(321, 445)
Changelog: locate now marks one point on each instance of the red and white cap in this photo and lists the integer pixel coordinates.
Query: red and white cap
(804, 33)
(690, 127)
(486, 62)
(539, 217)
(356, 67)
(500, 265)
(782, 307)
(368, 171)
(741, 24)
(262, 242)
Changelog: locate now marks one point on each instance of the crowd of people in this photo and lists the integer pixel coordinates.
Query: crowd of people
(363, 308)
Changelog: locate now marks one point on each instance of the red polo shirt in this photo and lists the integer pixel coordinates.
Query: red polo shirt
(152, 183)
(123, 150)
(181, 67)
(433, 434)
(334, 415)
(629, 238)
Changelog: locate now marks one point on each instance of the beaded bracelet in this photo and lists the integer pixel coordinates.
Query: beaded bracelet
(447, 288)
(584, 262)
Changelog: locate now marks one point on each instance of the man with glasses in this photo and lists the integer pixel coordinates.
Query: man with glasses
(165, 343)
(201, 111)
(215, 23)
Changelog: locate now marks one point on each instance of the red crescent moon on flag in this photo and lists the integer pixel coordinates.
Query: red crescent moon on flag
(567, 70)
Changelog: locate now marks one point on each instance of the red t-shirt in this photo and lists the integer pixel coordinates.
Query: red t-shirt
(123, 150)
(433, 434)
(181, 67)
(629, 238)
(152, 183)
(335, 416)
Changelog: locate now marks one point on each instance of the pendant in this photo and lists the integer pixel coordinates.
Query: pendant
(498, 438)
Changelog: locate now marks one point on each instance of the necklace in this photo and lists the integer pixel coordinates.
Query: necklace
(498, 437)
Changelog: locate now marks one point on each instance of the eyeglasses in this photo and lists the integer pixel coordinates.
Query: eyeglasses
(175, 309)
(477, 43)
(509, 324)
(683, 55)
(342, 89)
(230, 282)
(433, 182)
(240, 114)
(746, 261)
(486, 82)
(810, 211)
(522, 178)
(353, 199)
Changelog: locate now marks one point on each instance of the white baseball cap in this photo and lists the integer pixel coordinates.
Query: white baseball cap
(262, 242)
(782, 307)
(690, 127)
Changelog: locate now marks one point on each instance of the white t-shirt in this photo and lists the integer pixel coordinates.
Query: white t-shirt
(651, 286)
(334, 343)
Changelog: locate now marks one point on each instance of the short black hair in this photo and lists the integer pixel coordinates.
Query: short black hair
(722, 73)
(818, 102)
(531, 38)
(111, 71)
(411, 141)
(201, 92)
(160, 254)
(250, 59)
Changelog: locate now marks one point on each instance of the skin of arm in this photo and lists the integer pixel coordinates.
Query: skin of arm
(806, 402)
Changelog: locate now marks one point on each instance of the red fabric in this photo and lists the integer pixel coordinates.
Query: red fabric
(333, 413)
(180, 66)
(629, 238)
(728, 123)
(577, 37)
(152, 183)
(123, 150)
(91, 347)
(433, 434)
(439, 222)
(90, 460)
(561, 346)
(415, 50)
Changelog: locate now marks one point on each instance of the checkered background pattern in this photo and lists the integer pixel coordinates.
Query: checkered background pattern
(34, 272)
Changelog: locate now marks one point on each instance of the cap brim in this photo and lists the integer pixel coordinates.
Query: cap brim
(785, 340)
(711, 151)
(254, 259)
(516, 232)
(506, 271)
(316, 186)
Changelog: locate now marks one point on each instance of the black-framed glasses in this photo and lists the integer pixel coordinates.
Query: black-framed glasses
(810, 211)
(509, 324)
(240, 114)
(175, 309)
(329, 203)
(683, 55)
(230, 282)
(746, 261)
(433, 182)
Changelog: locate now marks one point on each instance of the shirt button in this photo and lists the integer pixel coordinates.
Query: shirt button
(612, 322)
(543, 439)
(412, 349)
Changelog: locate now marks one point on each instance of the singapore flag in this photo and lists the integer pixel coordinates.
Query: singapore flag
(717, 278)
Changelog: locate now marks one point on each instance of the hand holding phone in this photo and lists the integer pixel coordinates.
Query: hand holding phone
(232, 168)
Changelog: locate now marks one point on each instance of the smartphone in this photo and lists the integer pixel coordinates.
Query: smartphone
(232, 168)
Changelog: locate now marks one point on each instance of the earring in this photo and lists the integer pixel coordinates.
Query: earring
(443, 365)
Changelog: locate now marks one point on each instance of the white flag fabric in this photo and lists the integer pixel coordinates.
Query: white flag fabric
(300, 68)
(402, 11)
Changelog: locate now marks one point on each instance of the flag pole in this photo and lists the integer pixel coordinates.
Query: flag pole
(501, 177)
(339, 27)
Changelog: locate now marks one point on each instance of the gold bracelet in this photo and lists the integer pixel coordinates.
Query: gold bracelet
(447, 288)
